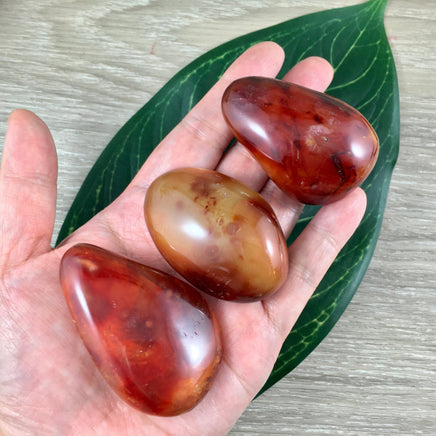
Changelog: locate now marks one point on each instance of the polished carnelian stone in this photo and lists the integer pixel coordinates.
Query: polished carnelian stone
(315, 147)
(219, 234)
(151, 335)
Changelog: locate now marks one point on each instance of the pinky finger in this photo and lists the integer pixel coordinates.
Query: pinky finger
(311, 255)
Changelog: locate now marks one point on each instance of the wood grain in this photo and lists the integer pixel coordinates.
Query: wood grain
(86, 67)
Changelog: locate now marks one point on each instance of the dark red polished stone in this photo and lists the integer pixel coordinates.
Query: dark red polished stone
(315, 147)
(151, 335)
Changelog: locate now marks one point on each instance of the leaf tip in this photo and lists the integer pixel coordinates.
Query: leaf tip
(380, 4)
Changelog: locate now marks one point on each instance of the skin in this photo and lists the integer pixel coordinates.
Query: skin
(48, 383)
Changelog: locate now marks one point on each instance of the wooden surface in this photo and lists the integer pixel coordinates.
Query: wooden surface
(86, 67)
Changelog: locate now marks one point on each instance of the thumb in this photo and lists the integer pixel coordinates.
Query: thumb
(28, 177)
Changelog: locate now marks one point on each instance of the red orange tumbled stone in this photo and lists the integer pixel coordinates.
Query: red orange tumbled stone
(315, 147)
(220, 235)
(151, 335)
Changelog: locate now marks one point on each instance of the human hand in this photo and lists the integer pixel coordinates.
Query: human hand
(49, 384)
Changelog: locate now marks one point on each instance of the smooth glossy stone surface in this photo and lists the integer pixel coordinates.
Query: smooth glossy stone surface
(151, 335)
(315, 147)
(219, 234)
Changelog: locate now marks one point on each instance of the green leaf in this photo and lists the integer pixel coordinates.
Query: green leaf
(353, 39)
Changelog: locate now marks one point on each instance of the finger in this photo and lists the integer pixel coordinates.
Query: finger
(286, 208)
(313, 72)
(202, 136)
(311, 255)
(27, 189)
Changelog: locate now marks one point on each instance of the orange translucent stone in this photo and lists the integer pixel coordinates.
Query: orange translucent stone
(151, 335)
(315, 147)
(220, 235)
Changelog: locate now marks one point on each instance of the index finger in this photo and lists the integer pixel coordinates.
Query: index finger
(202, 136)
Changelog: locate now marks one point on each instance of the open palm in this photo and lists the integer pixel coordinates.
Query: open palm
(48, 382)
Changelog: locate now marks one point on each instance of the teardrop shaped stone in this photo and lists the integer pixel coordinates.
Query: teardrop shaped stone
(152, 336)
(315, 147)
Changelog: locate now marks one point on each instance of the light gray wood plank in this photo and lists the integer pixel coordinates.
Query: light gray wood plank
(86, 67)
